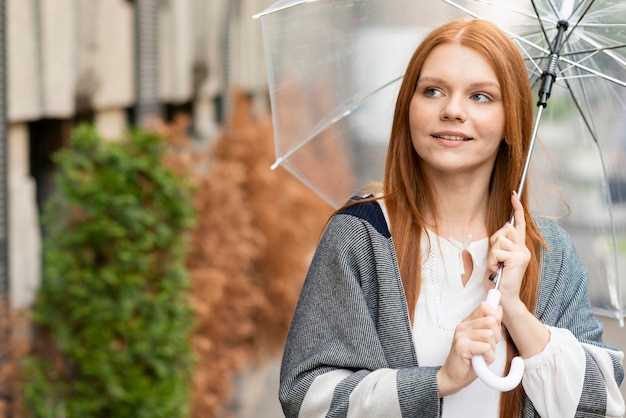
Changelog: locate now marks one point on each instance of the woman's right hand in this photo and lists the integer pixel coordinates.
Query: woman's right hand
(478, 334)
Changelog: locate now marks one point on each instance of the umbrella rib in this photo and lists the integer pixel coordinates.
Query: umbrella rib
(591, 41)
(543, 30)
(589, 51)
(323, 125)
(582, 15)
(278, 9)
(541, 57)
(534, 73)
(573, 77)
(530, 58)
(581, 60)
(535, 32)
(534, 83)
(602, 25)
(598, 73)
(575, 10)
(553, 7)
(613, 289)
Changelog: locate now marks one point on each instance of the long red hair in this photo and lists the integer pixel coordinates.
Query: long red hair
(407, 194)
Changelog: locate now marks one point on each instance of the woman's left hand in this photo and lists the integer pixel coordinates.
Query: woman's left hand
(508, 246)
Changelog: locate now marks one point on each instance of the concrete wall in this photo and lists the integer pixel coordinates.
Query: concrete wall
(106, 52)
(58, 56)
(247, 63)
(24, 236)
(24, 90)
(176, 51)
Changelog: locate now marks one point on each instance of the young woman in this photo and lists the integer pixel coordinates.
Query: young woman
(390, 313)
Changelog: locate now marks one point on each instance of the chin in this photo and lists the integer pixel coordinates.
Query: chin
(450, 166)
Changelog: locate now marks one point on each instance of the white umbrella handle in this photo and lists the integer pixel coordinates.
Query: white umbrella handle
(506, 383)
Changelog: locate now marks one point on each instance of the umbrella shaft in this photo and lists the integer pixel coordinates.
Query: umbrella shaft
(520, 187)
(549, 75)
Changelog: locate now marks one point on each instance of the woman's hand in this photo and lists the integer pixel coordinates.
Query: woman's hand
(508, 246)
(477, 334)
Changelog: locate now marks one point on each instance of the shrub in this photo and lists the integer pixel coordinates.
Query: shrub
(112, 316)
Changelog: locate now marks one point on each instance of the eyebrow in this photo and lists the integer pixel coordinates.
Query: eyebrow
(473, 85)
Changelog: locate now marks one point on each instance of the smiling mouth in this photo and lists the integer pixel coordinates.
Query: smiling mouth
(452, 138)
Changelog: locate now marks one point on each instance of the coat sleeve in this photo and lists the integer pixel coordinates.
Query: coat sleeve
(333, 364)
(577, 374)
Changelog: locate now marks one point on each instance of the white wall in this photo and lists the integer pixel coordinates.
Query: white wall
(106, 52)
(58, 55)
(175, 51)
(24, 237)
(24, 92)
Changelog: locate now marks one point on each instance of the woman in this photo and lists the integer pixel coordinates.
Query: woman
(390, 313)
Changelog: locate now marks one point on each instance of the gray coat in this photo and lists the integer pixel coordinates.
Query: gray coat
(352, 322)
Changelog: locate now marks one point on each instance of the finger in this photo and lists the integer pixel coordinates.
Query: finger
(489, 357)
(501, 256)
(487, 322)
(511, 232)
(490, 322)
(520, 220)
(492, 264)
(504, 243)
(468, 348)
(485, 310)
(507, 231)
(488, 310)
(479, 312)
(488, 336)
(489, 332)
(494, 237)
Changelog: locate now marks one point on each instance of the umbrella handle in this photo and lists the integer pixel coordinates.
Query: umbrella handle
(506, 383)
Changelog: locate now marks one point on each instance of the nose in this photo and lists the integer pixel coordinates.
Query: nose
(452, 109)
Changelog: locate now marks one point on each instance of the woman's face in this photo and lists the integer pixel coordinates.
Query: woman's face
(456, 114)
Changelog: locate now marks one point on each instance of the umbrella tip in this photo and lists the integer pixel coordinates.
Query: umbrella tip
(276, 164)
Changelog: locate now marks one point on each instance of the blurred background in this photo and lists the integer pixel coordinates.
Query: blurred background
(150, 261)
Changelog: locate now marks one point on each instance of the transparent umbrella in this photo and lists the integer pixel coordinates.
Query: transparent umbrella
(334, 70)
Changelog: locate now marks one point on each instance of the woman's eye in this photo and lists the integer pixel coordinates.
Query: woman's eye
(431, 92)
(481, 98)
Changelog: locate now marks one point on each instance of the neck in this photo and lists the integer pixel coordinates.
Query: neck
(461, 202)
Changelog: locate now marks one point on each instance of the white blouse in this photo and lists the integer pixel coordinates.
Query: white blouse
(444, 302)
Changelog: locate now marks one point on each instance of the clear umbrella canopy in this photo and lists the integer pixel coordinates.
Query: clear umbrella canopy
(335, 67)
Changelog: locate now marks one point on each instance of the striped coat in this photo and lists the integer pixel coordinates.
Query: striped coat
(350, 352)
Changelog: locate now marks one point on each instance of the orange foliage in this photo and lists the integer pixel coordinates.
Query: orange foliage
(256, 231)
(14, 330)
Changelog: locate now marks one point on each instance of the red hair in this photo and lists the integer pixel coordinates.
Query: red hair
(407, 193)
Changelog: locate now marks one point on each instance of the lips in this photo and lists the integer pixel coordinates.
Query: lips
(452, 136)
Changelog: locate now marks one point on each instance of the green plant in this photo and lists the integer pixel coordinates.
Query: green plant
(112, 314)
